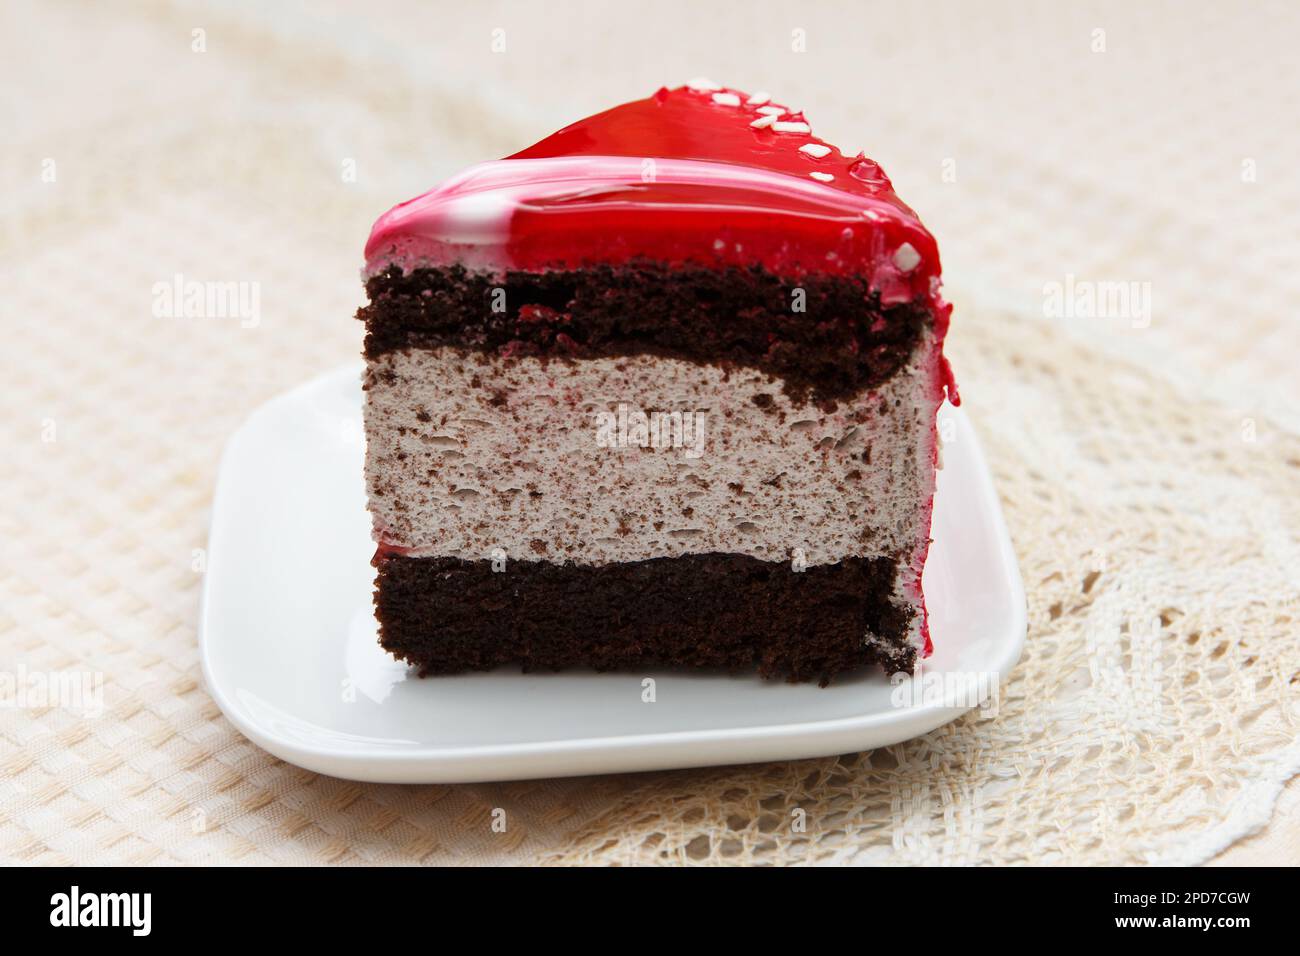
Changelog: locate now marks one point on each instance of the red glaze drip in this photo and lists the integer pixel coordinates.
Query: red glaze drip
(682, 176)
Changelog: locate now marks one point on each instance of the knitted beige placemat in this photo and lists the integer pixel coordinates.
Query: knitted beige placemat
(1148, 461)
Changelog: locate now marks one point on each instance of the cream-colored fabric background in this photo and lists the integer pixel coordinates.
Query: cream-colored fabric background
(1150, 475)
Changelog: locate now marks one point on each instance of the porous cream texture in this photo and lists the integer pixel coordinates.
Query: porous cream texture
(477, 456)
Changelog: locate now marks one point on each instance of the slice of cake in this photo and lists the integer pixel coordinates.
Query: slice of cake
(657, 392)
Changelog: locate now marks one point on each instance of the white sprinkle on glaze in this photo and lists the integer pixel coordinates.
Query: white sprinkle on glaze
(763, 122)
(907, 258)
(726, 99)
(702, 84)
(719, 245)
(787, 127)
(822, 177)
(815, 150)
(758, 99)
(771, 111)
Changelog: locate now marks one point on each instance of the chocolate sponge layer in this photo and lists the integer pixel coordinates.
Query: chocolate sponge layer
(719, 611)
(825, 336)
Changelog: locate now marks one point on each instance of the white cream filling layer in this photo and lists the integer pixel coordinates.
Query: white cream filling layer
(476, 457)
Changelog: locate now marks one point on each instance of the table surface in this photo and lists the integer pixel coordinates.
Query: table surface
(1147, 462)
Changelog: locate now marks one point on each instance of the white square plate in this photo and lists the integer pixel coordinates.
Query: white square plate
(288, 639)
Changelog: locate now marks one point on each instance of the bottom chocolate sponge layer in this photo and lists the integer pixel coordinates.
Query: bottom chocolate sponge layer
(717, 611)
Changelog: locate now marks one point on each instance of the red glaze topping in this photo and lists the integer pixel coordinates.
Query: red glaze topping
(699, 174)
